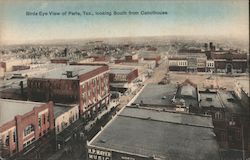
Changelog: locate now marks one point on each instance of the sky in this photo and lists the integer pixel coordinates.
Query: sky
(228, 18)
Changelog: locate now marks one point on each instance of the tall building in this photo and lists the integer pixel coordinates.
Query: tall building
(86, 85)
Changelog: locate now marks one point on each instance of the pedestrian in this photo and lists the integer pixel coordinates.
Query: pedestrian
(58, 146)
(74, 135)
(70, 149)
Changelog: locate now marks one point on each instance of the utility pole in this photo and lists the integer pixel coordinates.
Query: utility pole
(243, 143)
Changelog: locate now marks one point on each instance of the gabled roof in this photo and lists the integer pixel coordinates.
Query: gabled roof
(188, 81)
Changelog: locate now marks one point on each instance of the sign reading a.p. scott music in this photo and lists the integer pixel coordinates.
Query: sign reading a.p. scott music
(97, 154)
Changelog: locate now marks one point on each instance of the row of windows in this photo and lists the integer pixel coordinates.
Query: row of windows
(210, 64)
(41, 85)
(44, 119)
(73, 117)
(182, 63)
(64, 125)
(28, 142)
(95, 82)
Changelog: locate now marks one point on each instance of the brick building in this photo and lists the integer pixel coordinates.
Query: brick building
(229, 62)
(121, 79)
(128, 59)
(242, 93)
(86, 85)
(230, 118)
(62, 60)
(210, 60)
(23, 122)
(99, 58)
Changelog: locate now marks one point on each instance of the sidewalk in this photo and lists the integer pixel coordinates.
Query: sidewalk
(99, 116)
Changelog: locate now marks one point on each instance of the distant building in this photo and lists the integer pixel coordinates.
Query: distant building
(188, 94)
(151, 55)
(86, 85)
(141, 57)
(145, 68)
(99, 58)
(23, 122)
(2, 72)
(188, 62)
(143, 134)
(62, 60)
(210, 60)
(121, 79)
(177, 63)
(229, 62)
(8, 64)
(20, 67)
(210, 66)
(128, 59)
(160, 97)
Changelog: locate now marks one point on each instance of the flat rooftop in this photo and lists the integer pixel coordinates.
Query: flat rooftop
(121, 70)
(153, 94)
(167, 135)
(10, 108)
(60, 72)
(60, 109)
(209, 99)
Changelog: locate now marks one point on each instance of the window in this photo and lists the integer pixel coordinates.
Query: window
(209, 99)
(7, 140)
(76, 116)
(39, 121)
(47, 117)
(28, 130)
(44, 119)
(218, 115)
(14, 136)
(82, 86)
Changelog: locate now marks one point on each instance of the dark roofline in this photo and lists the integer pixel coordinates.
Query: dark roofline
(150, 119)
(208, 91)
(156, 109)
